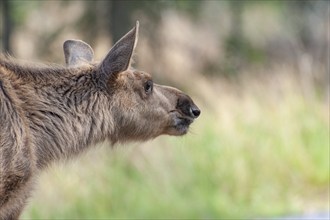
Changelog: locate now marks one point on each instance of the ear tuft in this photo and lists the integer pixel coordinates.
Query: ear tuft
(119, 57)
(77, 53)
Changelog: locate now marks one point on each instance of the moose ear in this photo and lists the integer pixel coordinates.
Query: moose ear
(119, 57)
(77, 53)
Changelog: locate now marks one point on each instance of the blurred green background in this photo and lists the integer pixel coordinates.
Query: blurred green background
(259, 70)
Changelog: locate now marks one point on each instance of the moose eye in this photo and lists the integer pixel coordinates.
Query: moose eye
(148, 86)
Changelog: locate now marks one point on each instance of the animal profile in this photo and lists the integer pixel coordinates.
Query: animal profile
(51, 113)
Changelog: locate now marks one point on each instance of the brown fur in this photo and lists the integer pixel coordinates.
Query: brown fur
(50, 113)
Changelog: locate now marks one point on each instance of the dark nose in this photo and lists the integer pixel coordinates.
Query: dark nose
(187, 107)
(194, 111)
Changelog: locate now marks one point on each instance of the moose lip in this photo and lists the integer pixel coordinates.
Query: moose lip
(181, 125)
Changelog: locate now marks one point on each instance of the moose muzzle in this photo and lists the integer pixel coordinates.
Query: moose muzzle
(188, 107)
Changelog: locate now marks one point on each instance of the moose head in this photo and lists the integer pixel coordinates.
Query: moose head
(140, 109)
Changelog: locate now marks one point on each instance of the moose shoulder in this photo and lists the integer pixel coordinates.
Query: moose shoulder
(50, 113)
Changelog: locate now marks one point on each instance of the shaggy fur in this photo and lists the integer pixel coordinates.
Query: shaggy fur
(50, 113)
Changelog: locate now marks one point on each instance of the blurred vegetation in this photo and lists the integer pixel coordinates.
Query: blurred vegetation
(300, 23)
(259, 70)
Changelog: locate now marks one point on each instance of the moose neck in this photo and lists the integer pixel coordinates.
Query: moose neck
(64, 111)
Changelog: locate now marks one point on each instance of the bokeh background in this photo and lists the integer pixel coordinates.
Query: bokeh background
(259, 70)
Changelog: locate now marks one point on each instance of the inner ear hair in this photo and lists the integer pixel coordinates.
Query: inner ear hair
(77, 52)
(119, 57)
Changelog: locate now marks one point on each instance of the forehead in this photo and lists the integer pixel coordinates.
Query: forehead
(136, 75)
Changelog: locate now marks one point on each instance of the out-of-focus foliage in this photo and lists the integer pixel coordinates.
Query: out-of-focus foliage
(259, 70)
(223, 38)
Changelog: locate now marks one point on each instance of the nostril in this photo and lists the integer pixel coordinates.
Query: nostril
(195, 112)
(187, 107)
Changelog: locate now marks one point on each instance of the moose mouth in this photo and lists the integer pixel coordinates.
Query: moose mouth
(180, 124)
(184, 114)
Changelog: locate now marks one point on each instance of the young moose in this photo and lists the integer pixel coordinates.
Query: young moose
(49, 113)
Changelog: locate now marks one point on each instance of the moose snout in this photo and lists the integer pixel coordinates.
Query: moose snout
(187, 107)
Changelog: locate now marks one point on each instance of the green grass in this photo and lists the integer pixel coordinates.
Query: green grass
(247, 157)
